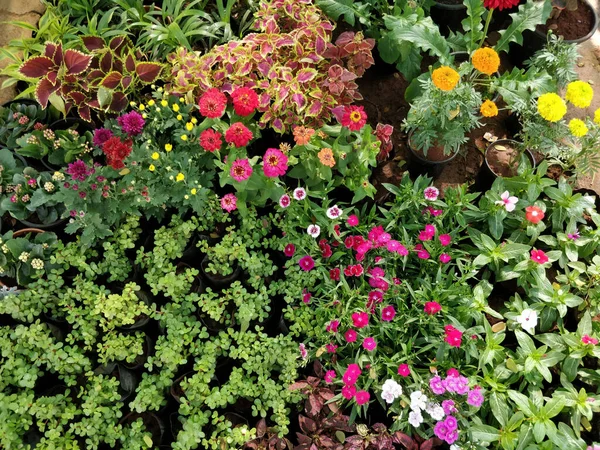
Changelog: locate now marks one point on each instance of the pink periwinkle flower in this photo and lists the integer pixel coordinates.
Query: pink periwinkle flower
(588, 340)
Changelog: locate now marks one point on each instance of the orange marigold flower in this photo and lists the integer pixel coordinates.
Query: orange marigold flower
(302, 135)
(445, 78)
(486, 60)
(488, 109)
(326, 157)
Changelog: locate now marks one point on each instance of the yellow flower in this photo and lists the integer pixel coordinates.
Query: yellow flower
(194, 120)
(181, 100)
(132, 103)
(155, 155)
(486, 60)
(151, 168)
(164, 103)
(180, 177)
(179, 117)
(189, 126)
(445, 78)
(168, 147)
(193, 191)
(488, 109)
(580, 94)
(578, 127)
(142, 107)
(597, 117)
(144, 116)
(150, 102)
(187, 197)
(184, 137)
(551, 107)
(157, 109)
(175, 107)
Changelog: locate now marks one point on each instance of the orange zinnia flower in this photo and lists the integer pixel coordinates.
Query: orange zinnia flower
(302, 135)
(326, 157)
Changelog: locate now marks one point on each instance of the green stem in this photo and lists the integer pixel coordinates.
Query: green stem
(487, 25)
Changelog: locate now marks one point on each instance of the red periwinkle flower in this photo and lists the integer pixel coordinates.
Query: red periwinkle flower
(360, 319)
(350, 336)
(362, 397)
(432, 308)
(369, 344)
(348, 392)
(403, 370)
(539, 256)
(445, 239)
(445, 258)
(534, 214)
(334, 274)
(388, 313)
(352, 220)
(289, 250)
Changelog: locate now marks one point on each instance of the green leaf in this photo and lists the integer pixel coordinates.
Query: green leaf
(472, 25)
(570, 366)
(484, 433)
(499, 408)
(347, 8)
(530, 15)
(522, 402)
(554, 406)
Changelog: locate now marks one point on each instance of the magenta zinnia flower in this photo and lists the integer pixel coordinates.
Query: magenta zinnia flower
(275, 163)
(131, 123)
(306, 263)
(229, 202)
(241, 170)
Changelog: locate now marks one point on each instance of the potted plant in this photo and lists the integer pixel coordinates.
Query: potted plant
(19, 117)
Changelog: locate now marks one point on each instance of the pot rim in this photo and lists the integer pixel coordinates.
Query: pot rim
(427, 161)
(500, 141)
(456, 7)
(594, 28)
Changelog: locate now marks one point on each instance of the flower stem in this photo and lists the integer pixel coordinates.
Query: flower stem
(487, 25)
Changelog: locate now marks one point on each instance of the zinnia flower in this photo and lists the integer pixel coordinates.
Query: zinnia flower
(445, 78)
(238, 135)
(486, 60)
(212, 103)
(245, 101)
(326, 157)
(229, 202)
(507, 201)
(240, 170)
(210, 140)
(539, 256)
(551, 107)
(275, 163)
(131, 123)
(578, 128)
(488, 109)
(302, 135)
(354, 117)
(500, 4)
(306, 263)
(579, 93)
(534, 214)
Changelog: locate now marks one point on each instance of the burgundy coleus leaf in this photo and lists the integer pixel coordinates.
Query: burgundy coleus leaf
(148, 72)
(37, 67)
(77, 97)
(106, 62)
(95, 76)
(92, 43)
(126, 81)
(50, 49)
(284, 41)
(117, 65)
(116, 43)
(112, 80)
(52, 76)
(94, 104)
(76, 62)
(58, 55)
(43, 90)
(119, 102)
(130, 63)
(85, 113)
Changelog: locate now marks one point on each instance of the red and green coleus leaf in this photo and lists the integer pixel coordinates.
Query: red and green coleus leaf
(106, 62)
(93, 43)
(126, 82)
(148, 72)
(315, 109)
(37, 67)
(300, 101)
(55, 52)
(76, 62)
(130, 63)
(43, 90)
(305, 75)
(112, 80)
(85, 113)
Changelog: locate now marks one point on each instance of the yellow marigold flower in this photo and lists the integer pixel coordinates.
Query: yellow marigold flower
(164, 103)
(597, 117)
(326, 157)
(155, 156)
(551, 107)
(180, 177)
(151, 168)
(445, 78)
(580, 94)
(168, 147)
(486, 60)
(193, 191)
(175, 107)
(488, 109)
(184, 137)
(179, 117)
(194, 120)
(189, 126)
(578, 127)
(150, 102)
(142, 107)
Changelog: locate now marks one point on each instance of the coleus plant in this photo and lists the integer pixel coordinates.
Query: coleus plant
(100, 79)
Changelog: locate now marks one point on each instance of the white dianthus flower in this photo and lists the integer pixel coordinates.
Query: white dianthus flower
(415, 418)
(418, 401)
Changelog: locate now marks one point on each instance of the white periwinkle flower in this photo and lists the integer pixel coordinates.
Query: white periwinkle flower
(528, 319)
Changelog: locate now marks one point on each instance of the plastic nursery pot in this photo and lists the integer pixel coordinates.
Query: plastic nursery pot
(493, 166)
(569, 23)
(431, 165)
(142, 320)
(139, 362)
(448, 15)
(127, 379)
(176, 391)
(153, 424)
(24, 231)
(219, 281)
(57, 224)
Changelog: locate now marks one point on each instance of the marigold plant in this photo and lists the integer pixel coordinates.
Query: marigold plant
(445, 78)
(488, 109)
(579, 93)
(551, 107)
(486, 60)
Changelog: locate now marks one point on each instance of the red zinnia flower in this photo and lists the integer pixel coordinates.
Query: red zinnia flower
(238, 135)
(212, 103)
(354, 117)
(500, 4)
(539, 256)
(534, 214)
(210, 140)
(245, 101)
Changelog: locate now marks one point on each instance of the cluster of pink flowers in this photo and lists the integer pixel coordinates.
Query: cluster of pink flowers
(349, 391)
(79, 170)
(453, 336)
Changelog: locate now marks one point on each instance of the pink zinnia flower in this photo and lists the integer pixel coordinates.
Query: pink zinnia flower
(229, 202)
(285, 201)
(354, 117)
(306, 263)
(403, 370)
(289, 250)
(240, 170)
(431, 193)
(388, 313)
(432, 308)
(131, 123)
(369, 344)
(360, 319)
(275, 163)
(445, 239)
(352, 220)
(445, 258)
(329, 376)
(362, 397)
(350, 336)
(212, 103)
(539, 256)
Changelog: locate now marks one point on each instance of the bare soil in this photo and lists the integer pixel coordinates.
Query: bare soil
(503, 160)
(571, 24)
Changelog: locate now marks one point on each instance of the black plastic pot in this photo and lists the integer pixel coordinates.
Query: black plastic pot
(536, 40)
(22, 101)
(50, 226)
(143, 320)
(72, 122)
(141, 360)
(127, 380)
(486, 176)
(219, 281)
(152, 423)
(418, 165)
(448, 17)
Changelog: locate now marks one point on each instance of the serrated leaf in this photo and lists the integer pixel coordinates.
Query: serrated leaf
(530, 15)
(349, 9)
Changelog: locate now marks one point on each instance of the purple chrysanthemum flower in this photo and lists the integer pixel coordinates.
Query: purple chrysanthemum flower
(131, 123)
(101, 135)
(78, 170)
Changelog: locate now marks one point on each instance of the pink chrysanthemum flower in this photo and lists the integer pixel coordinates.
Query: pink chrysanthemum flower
(131, 123)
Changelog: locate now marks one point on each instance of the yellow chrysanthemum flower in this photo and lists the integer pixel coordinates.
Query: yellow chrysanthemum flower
(189, 126)
(486, 60)
(155, 156)
(164, 103)
(193, 191)
(144, 116)
(194, 120)
(488, 109)
(181, 100)
(168, 147)
(578, 127)
(179, 117)
(580, 94)
(151, 168)
(142, 107)
(184, 138)
(150, 102)
(445, 78)
(175, 107)
(597, 117)
(551, 107)
(180, 177)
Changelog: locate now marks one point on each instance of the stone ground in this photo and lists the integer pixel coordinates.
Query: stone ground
(30, 11)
